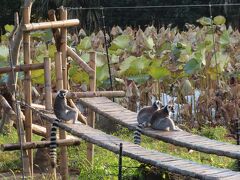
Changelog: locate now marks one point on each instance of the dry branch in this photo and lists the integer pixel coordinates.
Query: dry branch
(39, 144)
(48, 25)
(7, 111)
(80, 62)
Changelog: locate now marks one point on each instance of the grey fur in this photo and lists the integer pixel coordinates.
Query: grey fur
(62, 110)
(145, 114)
(143, 118)
(161, 121)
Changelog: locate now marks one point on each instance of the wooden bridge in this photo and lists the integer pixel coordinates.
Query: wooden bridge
(151, 157)
(127, 118)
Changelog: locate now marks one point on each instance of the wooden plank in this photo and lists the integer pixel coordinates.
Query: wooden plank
(179, 138)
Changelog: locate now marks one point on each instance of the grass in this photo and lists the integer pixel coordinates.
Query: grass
(106, 162)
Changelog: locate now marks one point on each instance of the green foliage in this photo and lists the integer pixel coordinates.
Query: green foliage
(134, 65)
(45, 35)
(121, 42)
(3, 53)
(225, 38)
(205, 21)
(159, 72)
(217, 133)
(51, 51)
(8, 28)
(38, 76)
(77, 75)
(85, 44)
(219, 20)
(167, 54)
(192, 66)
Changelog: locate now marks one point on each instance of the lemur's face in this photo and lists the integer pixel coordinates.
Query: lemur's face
(62, 93)
(158, 104)
(170, 108)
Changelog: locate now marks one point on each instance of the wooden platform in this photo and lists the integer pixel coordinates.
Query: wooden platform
(152, 157)
(127, 118)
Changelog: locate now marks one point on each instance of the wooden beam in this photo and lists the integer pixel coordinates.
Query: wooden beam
(48, 25)
(91, 115)
(80, 62)
(24, 67)
(74, 95)
(39, 144)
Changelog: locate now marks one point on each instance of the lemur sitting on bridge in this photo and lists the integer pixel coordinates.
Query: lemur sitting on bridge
(159, 120)
(144, 116)
(63, 112)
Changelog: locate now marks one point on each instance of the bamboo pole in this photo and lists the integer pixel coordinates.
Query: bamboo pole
(48, 91)
(39, 144)
(62, 133)
(49, 25)
(59, 85)
(91, 115)
(27, 85)
(25, 67)
(80, 62)
(75, 95)
(63, 47)
(58, 69)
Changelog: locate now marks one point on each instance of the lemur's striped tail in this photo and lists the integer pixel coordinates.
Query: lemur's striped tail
(138, 133)
(53, 143)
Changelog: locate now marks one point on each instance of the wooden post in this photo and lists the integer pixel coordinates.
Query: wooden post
(91, 115)
(58, 69)
(62, 133)
(48, 91)
(63, 48)
(27, 85)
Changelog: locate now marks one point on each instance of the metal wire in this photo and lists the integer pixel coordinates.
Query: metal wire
(150, 7)
(106, 49)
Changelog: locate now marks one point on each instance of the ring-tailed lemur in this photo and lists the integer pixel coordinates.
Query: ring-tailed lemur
(63, 112)
(159, 120)
(143, 118)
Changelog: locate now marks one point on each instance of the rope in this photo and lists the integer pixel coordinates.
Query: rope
(149, 7)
